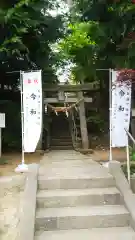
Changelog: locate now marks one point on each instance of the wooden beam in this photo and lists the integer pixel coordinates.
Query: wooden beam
(71, 88)
(69, 100)
(83, 123)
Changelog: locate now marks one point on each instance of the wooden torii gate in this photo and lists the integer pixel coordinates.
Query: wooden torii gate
(78, 90)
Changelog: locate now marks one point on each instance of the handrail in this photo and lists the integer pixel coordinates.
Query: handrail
(130, 136)
(128, 158)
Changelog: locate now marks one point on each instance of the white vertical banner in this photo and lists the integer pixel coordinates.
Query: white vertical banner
(121, 108)
(32, 109)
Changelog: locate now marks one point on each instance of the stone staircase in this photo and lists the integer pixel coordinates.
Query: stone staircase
(61, 142)
(77, 199)
(60, 133)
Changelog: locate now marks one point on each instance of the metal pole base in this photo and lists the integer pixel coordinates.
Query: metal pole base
(22, 168)
(106, 164)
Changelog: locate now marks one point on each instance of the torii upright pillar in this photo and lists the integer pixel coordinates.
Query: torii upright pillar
(83, 123)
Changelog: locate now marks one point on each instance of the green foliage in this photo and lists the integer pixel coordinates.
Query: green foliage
(132, 169)
(132, 159)
(27, 31)
(3, 161)
(132, 153)
(96, 121)
(77, 39)
(77, 47)
(106, 37)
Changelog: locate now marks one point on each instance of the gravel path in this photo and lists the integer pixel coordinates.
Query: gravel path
(11, 190)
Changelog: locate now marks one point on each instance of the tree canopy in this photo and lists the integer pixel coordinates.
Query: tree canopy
(101, 35)
(27, 30)
(96, 35)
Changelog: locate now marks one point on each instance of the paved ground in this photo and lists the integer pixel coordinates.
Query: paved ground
(63, 164)
(13, 159)
(10, 196)
(119, 154)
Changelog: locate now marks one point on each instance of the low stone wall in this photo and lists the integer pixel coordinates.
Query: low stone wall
(28, 205)
(123, 186)
(11, 190)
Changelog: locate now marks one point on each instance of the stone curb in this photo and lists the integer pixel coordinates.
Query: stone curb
(28, 205)
(124, 188)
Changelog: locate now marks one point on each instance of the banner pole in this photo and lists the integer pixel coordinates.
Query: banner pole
(22, 167)
(22, 118)
(110, 112)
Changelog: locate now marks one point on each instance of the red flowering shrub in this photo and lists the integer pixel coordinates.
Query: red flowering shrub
(126, 75)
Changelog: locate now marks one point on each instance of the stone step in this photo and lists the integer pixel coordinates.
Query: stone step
(72, 198)
(73, 182)
(66, 162)
(61, 137)
(82, 217)
(61, 147)
(56, 141)
(115, 233)
(61, 143)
